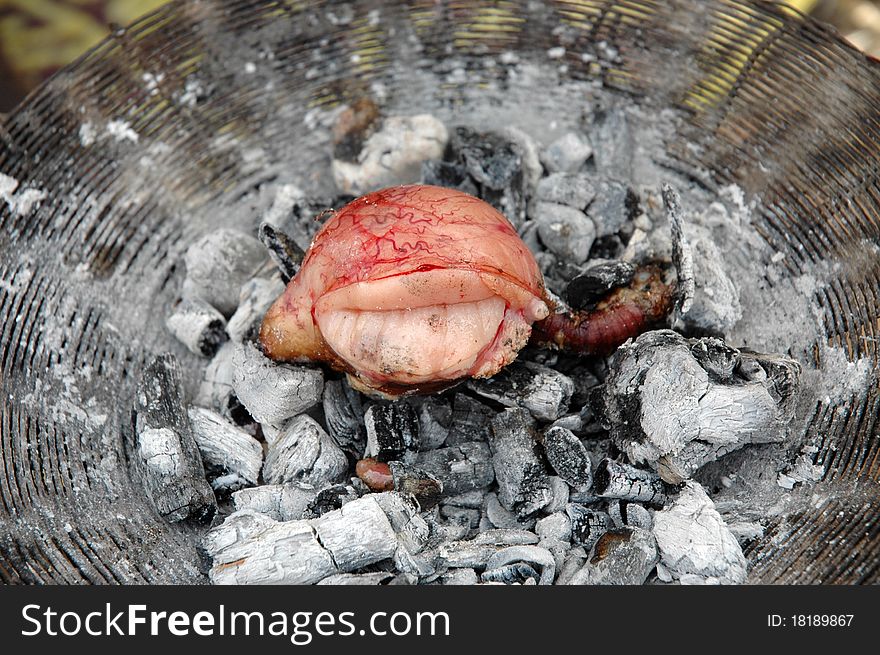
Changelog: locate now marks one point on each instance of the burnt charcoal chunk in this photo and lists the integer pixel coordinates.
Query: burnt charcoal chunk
(543, 391)
(450, 175)
(169, 457)
(515, 573)
(625, 482)
(283, 250)
(609, 247)
(568, 457)
(614, 205)
(344, 416)
(587, 525)
(329, 499)
(392, 429)
(523, 480)
(423, 486)
(596, 281)
(471, 421)
(460, 468)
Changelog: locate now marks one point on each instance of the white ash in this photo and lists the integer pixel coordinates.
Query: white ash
(715, 307)
(566, 231)
(19, 201)
(272, 392)
(531, 163)
(226, 447)
(694, 540)
(159, 448)
(122, 131)
(567, 153)
(304, 452)
(539, 389)
(625, 556)
(637, 516)
(411, 529)
(218, 264)
(255, 298)
(392, 155)
(198, 326)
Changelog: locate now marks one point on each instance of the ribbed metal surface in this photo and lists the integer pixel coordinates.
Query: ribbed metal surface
(775, 103)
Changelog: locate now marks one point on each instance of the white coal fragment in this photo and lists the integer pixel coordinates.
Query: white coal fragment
(539, 558)
(715, 306)
(567, 153)
(392, 155)
(542, 390)
(218, 264)
(624, 556)
(621, 481)
(273, 392)
(467, 554)
(677, 404)
(198, 326)
(499, 516)
(458, 469)
(695, 543)
(357, 534)
(554, 526)
(614, 205)
(682, 255)
(435, 419)
(565, 231)
(613, 142)
(358, 579)
(568, 457)
(392, 429)
(561, 494)
(304, 452)
(523, 480)
(344, 416)
(587, 525)
(459, 577)
(506, 537)
(282, 502)
(471, 421)
(255, 298)
(215, 389)
(518, 573)
(531, 160)
(225, 448)
(169, 459)
(574, 190)
(411, 529)
(637, 516)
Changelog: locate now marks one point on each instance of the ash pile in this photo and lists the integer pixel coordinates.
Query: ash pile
(558, 470)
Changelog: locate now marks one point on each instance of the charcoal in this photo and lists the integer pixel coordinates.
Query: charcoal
(596, 281)
(452, 175)
(392, 429)
(624, 556)
(501, 517)
(464, 554)
(541, 390)
(531, 161)
(554, 526)
(471, 499)
(435, 419)
(458, 469)
(469, 518)
(715, 307)
(574, 560)
(272, 392)
(613, 142)
(282, 502)
(677, 404)
(540, 558)
(411, 529)
(215, 389)
(565, 231)
(218, 264)
(637, 516)
(329, 499)
(392, 155)
(498, 165)
(424, 487)
(523, 484)
(682, 255)
(304, 453)
(574, 190)
(557, 547)
(622, 481)
(568, 457)
(567, 153)
(515, 573)
(283, 250)
(168, 455)
(357, 579)
(256, 297)
(587, 525)
(225, 448)
(250, 548)
(506, 537)
(613, 207)
(198, 326)
(343, 415)
(463, 576)
(561, 493)
(471, 421)
(695, 544)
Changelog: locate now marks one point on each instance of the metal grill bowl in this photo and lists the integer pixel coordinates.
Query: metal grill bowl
(774, 102)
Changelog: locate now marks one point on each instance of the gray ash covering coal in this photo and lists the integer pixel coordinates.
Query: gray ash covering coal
(558, 470)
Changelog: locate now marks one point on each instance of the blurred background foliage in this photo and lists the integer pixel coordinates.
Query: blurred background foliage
(37, 37)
